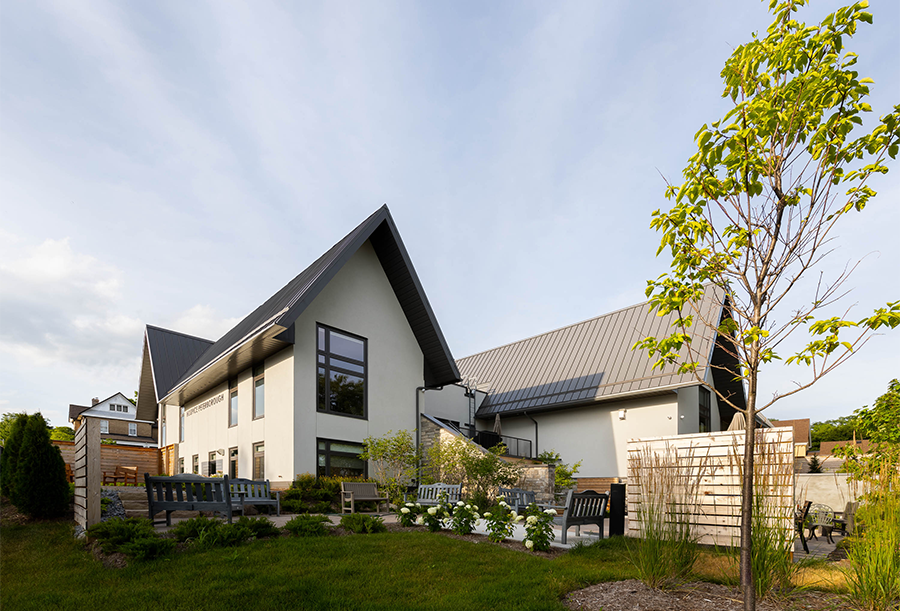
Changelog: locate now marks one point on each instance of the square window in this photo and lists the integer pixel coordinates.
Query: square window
(340, 459)
(104, 426)
(132, 429)
(341, 373)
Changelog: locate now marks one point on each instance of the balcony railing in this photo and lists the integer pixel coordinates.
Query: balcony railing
(516, 447)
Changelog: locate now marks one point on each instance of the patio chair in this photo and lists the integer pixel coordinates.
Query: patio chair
(799, 521)
(847, 522)
(821, 516)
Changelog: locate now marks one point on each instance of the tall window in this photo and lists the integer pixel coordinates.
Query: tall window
(104, 426)
(259, 461)
(162, 433)
(705, 404)
(181, 425)
(233, 402)
(340, 458)
(259, 392)
(132, 429)
(195, 464)
(232, 463)
(341, 373)
(212, 464)
(181, 465)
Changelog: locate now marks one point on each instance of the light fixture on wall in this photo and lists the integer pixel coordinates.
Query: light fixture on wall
(621, 414)
(221, 451)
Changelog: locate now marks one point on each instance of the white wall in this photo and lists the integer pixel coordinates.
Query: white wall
(361, 301)
(101, 410)
(832, 489)
(450, 402)
(595, 435)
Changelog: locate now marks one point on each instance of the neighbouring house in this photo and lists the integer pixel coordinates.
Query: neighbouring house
(119, 421)
(831, 463)
(582, 391)
(340, 353)
(802, 441)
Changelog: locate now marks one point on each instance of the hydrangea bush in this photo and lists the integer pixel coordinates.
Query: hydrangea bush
(500, 522)
(464, 517)
(434, 517)
(407, 513)
(539, 528)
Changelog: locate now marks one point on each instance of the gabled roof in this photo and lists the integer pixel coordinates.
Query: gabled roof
(269, 327)
(77, 410)
(585, 362)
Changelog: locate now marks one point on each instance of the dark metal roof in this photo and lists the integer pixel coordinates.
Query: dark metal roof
(171, 354)
(585, 362)
(282, 309)
(76, 410)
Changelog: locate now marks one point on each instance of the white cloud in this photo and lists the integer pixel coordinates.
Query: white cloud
(203, 321)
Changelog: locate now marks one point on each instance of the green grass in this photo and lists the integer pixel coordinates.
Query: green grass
(41, 567)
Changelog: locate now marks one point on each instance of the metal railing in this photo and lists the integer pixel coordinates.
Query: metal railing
(516, 447)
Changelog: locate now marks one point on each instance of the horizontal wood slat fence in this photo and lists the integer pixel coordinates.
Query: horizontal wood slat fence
(698, 477)
(86, 460)
(147, 460)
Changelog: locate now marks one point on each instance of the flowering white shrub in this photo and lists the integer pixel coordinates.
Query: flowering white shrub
(500, 522)
(434, 516)
(464, 517)
(406, 515)
(539, 528)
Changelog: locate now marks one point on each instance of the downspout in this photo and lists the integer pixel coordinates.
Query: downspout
(535, 433)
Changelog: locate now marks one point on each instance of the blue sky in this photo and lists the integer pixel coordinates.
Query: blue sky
(176, 163)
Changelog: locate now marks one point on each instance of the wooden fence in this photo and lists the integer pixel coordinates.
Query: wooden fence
(698, 478)
(147, 460)
(86, 455)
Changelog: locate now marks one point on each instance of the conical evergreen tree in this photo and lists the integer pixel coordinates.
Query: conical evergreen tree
(9, 460)
(41, 489)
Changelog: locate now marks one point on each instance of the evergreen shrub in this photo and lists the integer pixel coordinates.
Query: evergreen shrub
(9, 459)
(41, 488)
(307, 526)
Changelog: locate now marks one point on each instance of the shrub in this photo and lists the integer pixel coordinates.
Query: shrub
(9, 459)
(309, 494)
(259, 527)
(148, 548)
(308, 526)
(499, 522)
(362, 524)
(538, 528)
(113, 534)
(189, 530)
(433, 517)
(464, 517)
(394, 460)
(41, 488)
(565, 474)
(223, 535)
(406, 515)
(459, 461)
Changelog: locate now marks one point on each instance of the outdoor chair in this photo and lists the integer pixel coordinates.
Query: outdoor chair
(799, 522)
(821, 516)
(847, 522)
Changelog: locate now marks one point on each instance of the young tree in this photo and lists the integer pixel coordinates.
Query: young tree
(394, 459)
(41, 489)
(761, 200)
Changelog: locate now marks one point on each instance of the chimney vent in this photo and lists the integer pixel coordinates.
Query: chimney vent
(95, 401)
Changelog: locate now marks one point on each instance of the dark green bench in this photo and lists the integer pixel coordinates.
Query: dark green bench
(253, 492)
(187, 492)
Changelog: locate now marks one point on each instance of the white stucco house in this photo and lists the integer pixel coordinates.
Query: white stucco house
(339, 354)
(350, 348)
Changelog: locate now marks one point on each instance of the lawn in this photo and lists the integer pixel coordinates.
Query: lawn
(42, 567)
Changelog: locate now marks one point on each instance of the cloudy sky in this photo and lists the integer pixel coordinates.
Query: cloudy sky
(175, 163)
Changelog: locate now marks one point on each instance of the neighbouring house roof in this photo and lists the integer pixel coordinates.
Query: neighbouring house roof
(826, 448)
(269, 327)
(591, 361)
(801, 429)
(77, 410)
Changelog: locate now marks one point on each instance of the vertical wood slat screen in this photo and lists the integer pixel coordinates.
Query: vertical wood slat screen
(716, 460)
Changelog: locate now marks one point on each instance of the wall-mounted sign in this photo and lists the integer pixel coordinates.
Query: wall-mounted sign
(208, 403)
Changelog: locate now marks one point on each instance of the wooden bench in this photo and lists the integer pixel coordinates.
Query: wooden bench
(517, 498)
(187, 493)
(432, 494)
(354, 492)
(253, 492)
(582, 508)
(121, 474)
(70, 475)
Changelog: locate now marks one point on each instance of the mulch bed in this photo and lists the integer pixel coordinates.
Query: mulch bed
(633, 595)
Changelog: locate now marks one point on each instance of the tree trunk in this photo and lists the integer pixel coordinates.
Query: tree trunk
(747, 587)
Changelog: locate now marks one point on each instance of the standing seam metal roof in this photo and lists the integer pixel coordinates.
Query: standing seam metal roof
(584, 362)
